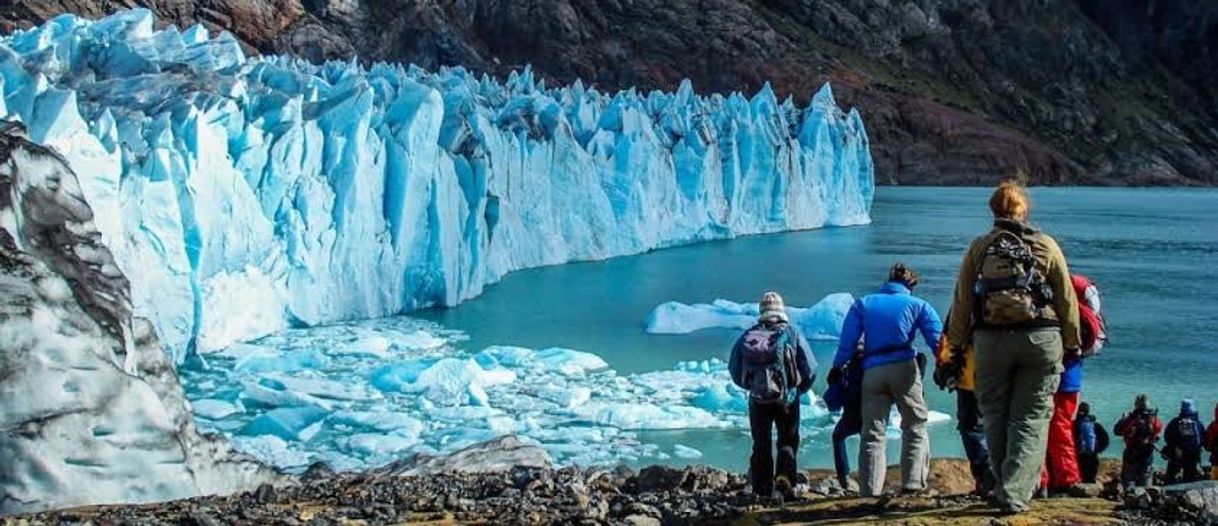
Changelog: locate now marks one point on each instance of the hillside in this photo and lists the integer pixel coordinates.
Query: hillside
(952, 91)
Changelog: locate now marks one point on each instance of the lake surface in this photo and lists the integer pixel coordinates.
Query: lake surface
(1153, 252)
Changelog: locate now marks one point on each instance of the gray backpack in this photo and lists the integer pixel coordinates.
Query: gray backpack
(770, 372)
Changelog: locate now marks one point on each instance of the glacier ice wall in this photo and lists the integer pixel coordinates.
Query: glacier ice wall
(91, 410)
(243, 195)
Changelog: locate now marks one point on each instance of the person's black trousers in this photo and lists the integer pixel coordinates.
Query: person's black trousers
(1088, 467)
(763, 419)
(972, 435)
(1189, 463)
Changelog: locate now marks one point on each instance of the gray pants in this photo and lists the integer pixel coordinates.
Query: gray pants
(884, 385)
(1017, 374)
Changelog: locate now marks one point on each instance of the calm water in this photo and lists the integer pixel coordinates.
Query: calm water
(1154, 253)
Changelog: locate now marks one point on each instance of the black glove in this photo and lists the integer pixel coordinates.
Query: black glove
(1074, 353)
(920, 359)
(946, 375)
(835, 375)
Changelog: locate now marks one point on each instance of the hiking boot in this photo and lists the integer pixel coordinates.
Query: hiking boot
(1007, 508)
(784, 487)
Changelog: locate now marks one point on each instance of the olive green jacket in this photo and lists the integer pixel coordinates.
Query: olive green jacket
(1050, 262)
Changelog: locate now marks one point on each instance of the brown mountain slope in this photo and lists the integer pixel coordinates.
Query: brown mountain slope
(952, 91)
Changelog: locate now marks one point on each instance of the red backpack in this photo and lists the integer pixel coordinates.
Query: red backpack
(1091, 324)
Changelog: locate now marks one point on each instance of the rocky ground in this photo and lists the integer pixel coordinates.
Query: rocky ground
(431, 491)
(952, 91)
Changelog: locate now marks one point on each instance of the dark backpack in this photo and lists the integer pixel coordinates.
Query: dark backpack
(1186, 433)
(1085, 440)
(1009, 289)
(847, 391)
(770, 373)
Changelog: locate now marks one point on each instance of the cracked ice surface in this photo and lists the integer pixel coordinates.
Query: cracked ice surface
(245, 195)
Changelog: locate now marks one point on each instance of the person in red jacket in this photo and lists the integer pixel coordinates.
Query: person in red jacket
(1141, 430)
(1211, 444)
(1060, 472)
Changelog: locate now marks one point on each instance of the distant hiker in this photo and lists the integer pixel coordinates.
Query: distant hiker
(955, 372)
(1024, 317)
(845, 393)
(1061, 469)
(1090, 440)
(773, 362)
(1184, 439)
(1211, 444)
(1140, 429)
(888, 321)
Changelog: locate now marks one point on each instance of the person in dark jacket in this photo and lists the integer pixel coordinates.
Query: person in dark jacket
(1141, 430)
(851, 421)
(788, 377)
(889, 321)
(954, 371)
(1184, 438)
(1090, 441)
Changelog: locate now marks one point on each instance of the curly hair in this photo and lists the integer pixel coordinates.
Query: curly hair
(900, 272)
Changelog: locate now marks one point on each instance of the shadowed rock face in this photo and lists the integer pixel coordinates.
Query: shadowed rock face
(953, 91)
(91, 410)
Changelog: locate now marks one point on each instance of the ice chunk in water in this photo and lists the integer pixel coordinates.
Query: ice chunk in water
(398, 375)
(569, 362)
(386, 422)
(319, 387)
(640, 416)
(721, 398)
(568, 397)
(822, 320)
(272, 450)
(214, 409)
(288, 423)
(686, 452)
(370, 444)
(451, 381)
(374, 346)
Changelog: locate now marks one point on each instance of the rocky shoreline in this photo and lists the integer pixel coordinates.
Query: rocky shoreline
(475, 486)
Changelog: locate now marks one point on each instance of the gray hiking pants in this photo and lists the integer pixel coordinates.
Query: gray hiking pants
(1017, 374)
(884, 385)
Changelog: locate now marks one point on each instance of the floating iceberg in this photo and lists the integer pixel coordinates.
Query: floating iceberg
(245, 195)
(821, 321)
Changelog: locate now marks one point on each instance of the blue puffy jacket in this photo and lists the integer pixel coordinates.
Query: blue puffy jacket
(887, 321)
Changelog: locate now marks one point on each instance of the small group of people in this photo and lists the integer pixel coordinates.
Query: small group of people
(1185, 439)
(1012, 349)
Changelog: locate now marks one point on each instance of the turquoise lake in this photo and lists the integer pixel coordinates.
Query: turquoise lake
(1153, 252)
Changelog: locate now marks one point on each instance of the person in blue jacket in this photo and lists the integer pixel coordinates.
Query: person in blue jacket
(889, 321)
(773, 363)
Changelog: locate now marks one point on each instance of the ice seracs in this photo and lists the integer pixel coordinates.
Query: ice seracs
(245, 195)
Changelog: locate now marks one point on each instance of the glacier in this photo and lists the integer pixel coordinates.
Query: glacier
(245, 195)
